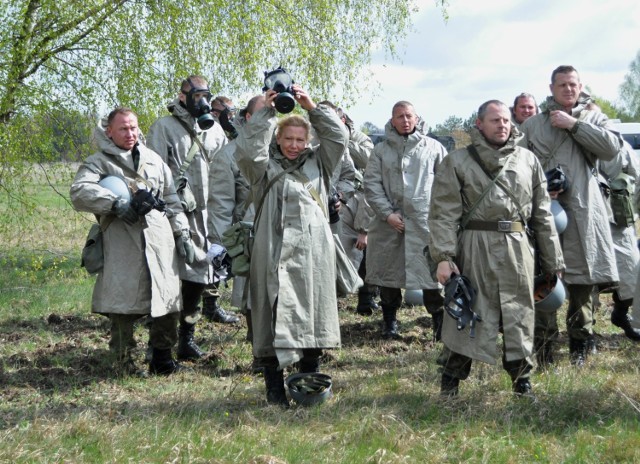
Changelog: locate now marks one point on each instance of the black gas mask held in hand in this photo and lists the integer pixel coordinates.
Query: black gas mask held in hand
(226, 118)
(280, 81)
(144, 201)
(459, 298)
(200, 108)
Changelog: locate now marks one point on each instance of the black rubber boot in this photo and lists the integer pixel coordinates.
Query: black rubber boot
(310, 361)
(249, 336)
(390, 324)
(214, 312)
(449, 385)
(188, 350)
(437, 319)
(620, 317)
(365, 302)
(274, 381)
(522, 388)
(577, 352)
(162, 363)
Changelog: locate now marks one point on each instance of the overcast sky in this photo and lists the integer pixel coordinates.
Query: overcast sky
(500, 48)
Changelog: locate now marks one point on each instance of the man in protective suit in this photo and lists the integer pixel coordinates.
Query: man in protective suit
(483, 228)
(187, 141)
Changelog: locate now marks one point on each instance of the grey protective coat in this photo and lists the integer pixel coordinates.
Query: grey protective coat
(140, 274)
(625, 241)
(172, 142)
(587, 241)
(499, 265)
(398, 178)
(293, 285)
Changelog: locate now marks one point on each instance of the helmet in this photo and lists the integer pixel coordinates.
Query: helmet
(459, 298)
(309, 388)
(559, 216)
(413, 297)
(117, 185)
(548, 292)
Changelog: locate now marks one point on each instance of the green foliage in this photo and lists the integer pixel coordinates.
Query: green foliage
(630, 92)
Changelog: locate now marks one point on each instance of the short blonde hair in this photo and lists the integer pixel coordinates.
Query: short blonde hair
(295, 121)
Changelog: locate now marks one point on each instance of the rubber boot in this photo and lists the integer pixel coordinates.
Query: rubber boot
(577, 352)
(162, 363)
(274, 381)
(365, 298)
(449, 385)
(310, 362)
(437, 319)
(522, 388)
(620, 317)
(188, 350)
(249, 336)
(214, 312)
(390, 329)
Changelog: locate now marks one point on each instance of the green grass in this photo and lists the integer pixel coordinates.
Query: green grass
(60, 400)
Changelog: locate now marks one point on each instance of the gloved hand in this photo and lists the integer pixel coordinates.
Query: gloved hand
(143, 201)
(122, 209)
(184, 244)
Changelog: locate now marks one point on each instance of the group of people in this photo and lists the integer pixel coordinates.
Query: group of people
(406, 213)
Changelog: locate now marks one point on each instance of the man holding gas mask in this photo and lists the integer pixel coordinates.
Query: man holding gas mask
(187, 141)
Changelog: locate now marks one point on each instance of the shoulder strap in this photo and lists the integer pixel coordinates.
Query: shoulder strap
(474, 154)
(476, 158)
(196, 140)
(290, 169)
(131, 171)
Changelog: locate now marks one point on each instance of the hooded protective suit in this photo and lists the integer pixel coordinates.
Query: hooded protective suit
(499, 265)
(586, 242)
(398, 178)
(140, 274)
(172, 142)
(293, 268)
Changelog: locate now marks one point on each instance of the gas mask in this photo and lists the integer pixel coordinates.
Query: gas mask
(280, 81)
(199, 109)
(226, 117)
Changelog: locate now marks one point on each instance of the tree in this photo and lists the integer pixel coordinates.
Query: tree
(630, 91)
(370, 128)
(93, 55)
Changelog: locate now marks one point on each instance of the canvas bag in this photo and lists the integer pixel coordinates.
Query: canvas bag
(93, 252)
(238, 240)
(620, 200)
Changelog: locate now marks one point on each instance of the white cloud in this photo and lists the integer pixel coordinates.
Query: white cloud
(499, 48)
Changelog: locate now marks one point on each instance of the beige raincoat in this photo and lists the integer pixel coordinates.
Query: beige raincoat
(171, 141)
(499, 265)
(293, 268)
(586, 242)
(398, 178)
(140, 274)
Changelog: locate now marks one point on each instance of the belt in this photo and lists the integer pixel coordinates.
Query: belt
(496, 226)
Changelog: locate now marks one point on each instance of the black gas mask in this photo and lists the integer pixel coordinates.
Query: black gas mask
(226, 117)
(280, 81)
(199, 109)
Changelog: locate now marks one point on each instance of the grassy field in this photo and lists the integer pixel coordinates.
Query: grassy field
(60, 401)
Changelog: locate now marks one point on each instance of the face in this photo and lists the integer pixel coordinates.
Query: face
(496, 125)
(292, 141)
(566, 89)
(260, 103)
(525, 108)
(123, 130)
(404, 120)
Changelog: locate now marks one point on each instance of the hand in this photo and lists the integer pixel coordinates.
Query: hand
(270, 97)
(184, 246)
(122, 209)
(143, 201)
(562, 120)
(361, 241)
(444, 271)
(302, 98)
(395, 220)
